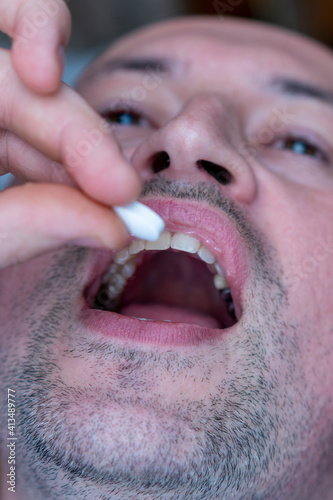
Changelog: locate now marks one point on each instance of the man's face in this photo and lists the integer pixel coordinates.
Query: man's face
(178, 382)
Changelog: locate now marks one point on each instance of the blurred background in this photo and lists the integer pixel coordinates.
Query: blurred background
(97, 22)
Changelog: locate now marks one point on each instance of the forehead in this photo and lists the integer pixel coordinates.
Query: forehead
(215, 45)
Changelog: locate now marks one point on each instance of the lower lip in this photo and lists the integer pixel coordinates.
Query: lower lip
(117, 326)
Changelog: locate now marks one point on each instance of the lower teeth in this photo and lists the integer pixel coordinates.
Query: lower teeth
(105, 302)
(147, 319)
(124, 267)
(231, 311)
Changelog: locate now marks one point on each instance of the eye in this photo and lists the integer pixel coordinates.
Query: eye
(126, 118)
(301, 146)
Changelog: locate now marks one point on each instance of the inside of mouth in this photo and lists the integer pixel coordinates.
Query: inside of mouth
(172, 286)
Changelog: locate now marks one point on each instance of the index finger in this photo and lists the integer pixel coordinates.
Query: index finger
(66, 129)
(40, 30)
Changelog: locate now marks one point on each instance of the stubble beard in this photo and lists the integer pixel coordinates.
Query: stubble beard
(125, 440)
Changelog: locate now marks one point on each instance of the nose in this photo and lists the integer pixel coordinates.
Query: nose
(199, 144)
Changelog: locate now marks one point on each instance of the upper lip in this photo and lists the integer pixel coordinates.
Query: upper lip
(210, 226)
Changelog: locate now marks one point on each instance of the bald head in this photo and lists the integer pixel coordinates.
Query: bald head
(226, 33)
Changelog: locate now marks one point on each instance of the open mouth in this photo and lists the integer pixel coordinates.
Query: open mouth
(184, 288)
(174, 279)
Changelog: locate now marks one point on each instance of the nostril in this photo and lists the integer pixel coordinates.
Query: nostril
(221, 174)
(160, 161)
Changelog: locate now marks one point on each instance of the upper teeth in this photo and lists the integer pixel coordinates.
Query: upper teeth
(124, 264)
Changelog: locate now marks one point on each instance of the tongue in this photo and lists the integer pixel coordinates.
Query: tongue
(159, 312)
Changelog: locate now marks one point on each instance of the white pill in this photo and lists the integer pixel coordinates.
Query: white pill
(141, 221)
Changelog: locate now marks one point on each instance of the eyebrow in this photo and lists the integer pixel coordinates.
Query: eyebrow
(298, 88)
(284, 85)
(142, 65)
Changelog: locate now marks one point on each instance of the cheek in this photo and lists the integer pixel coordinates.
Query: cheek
(298, 224)
(18, 302)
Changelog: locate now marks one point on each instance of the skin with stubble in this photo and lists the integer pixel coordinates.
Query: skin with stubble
(174, 411)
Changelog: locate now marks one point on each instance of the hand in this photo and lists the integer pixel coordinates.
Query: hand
(42, 122)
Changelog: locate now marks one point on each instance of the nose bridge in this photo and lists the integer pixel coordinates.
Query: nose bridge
(200, 124)
(198, 145)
